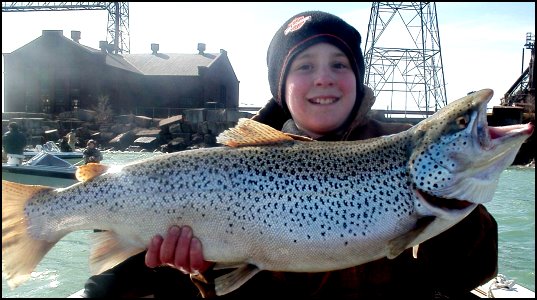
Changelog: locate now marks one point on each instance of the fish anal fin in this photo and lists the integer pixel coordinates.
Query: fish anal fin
(20, 251)
(398, 245)
(231, 281)
(251, 133)
(89, 171)
(227, 265)
(109, 249)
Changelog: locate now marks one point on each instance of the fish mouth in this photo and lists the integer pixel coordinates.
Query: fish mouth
(444, 203)
(498, 134)
(499, 145)
(498, 139)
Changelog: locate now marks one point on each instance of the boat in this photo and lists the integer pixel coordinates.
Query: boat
(501, 287)
(43, 164)
(52, 148)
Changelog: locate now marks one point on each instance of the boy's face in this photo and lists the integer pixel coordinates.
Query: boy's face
(320, 89)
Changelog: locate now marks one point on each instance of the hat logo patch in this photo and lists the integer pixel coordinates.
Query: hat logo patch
(296, 24)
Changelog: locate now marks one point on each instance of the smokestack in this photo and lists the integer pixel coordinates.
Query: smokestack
(154, 48)
(201, 48)
(75, 35)
(103, 45)
(52, 32)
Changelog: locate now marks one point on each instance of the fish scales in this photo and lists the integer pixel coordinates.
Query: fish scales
(291, 198)
(269, 202)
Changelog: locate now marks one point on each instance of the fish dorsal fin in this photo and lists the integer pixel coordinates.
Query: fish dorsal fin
(89, 171)
(251, 133)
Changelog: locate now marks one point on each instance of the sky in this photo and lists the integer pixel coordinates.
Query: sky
(482, 43)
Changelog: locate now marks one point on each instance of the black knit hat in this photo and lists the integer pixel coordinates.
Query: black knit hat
(304, 30)
(13, 126)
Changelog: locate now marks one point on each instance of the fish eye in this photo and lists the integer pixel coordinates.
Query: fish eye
(462, 121)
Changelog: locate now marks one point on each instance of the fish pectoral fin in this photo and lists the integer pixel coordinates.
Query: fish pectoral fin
(231, 281)
(251, 133)
(109, 249)
(89, 171)
(415, 251)
(398, 245)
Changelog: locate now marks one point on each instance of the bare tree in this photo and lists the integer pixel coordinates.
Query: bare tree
(103, 109)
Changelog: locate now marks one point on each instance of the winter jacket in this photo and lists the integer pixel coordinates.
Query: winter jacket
(14, 142)
(449, 265)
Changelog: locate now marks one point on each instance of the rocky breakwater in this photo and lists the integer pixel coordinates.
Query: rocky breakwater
(192, 129)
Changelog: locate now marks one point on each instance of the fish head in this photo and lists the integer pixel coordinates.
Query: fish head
(457, 159)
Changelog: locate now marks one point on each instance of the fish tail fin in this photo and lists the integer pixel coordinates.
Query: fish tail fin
(20, 252)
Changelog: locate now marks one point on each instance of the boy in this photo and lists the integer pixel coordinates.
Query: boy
(316, 73)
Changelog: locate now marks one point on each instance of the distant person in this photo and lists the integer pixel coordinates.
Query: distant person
(91, 153)
(64, 145)
(71, 139)
(13, 143)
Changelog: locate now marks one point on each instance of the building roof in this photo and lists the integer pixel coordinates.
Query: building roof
(117, 61)
(145, 64)
(170, 64)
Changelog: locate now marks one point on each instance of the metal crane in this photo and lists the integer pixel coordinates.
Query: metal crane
(522, 92)
(118, 37)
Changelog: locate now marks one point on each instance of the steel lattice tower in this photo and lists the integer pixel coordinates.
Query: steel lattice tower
(403, 56)
(118, 37)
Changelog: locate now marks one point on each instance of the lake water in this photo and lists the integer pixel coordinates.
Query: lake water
(64, 269)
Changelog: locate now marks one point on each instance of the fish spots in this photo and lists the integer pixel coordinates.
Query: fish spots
(297, 191)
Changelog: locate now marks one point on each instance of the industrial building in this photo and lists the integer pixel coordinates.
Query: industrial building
(54, 74)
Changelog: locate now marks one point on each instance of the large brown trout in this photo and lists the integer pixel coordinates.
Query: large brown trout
(268, 201)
